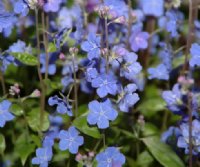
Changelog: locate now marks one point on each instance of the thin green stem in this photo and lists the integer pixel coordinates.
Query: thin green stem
(75, 87)
(3, 83)
(42, 84)
(107, 45)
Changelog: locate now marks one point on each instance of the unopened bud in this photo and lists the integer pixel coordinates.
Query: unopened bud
(141, 120)
(79, 157)
(102, 10)
(91, 154)
(120, 20)
(14, 90)
(73, 50)
(36, 93)
(104, 51)
(112, 14)
(62, 56)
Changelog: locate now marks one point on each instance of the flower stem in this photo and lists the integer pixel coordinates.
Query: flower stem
(129, 24)
(107, 45)
(190, 131)
(45, 42)
(42, 85)
(3, 83)
(75, 87)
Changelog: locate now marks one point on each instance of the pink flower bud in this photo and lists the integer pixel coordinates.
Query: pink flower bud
(62, 56)
(36, 93)
(79, 157)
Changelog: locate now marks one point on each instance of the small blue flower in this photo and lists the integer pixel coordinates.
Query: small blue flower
(195, 53)
(43, 156)
(139, 40)
(20, 7)
(110, 157)
(5, 61)
(183, 140)
(7, 20)
(128, 98)
(105, 84)
(5, 114)
(52, 5)
(169, 135)
(153, 7)
(92, 46)
(100, 113)
(70, 140)
(160, 72)
(20, 47)
(173, 98)
(63, 107)
(130, 67)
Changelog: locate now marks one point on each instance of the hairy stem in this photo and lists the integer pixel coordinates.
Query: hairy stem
(45, 42)
(190, 131)
(3, 83)
(129, 24)
(42, 85)
(107, 45)
(193, 14)
(75, 87)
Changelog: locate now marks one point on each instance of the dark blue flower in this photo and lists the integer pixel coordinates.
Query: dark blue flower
(153, 7)
(92, 46)
(63, 106)
(100, 113)
(105, 84)
(70, 140)
(160, 72)
(5, 114)
(110, 157)
(195, 55)
(43, 156)
(128, 98)
(131, 67)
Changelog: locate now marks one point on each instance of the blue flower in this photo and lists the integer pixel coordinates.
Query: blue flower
(70, 140)
(19, 47)
(5, 61)
(21, 8)
(173, 98)
(51, 66)
(63, 106)
(195, 53)
(110, 157)
(100, 113)
(52, 5)
(130, 67)
(5, 114)
(7, 20)
(138, 40)
(92, 46)
(169, 135)
(160, 72)
(128, 98)
(43, 156)
(183, 140)
(105, 84)
(153, 7)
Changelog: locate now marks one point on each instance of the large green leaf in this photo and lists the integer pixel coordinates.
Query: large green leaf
(24, 147)
(162, 152)
(34, 120)
(81, 124)
(16, 109)
(144, 159)
(2, 144)
(26, 58)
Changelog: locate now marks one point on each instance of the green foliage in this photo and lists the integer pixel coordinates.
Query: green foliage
(33, 119)
(162, 152)
(26, 58)
(2, 144)
(16, 109)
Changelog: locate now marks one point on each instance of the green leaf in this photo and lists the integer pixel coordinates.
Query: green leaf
(150, 130)
(24, 148)
(34, 120)
(144, 159)
(16, 109)
(162, 152)
(2, 144)
(26, 58)
(81, 124)
(51, 47)
(150, 107)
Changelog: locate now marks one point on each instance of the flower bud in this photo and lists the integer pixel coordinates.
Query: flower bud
(14, 90)
(73, 50)
(62, 56)
(79, 157)
(36, 93)
(104, 51)
(120, 20)
(102, 11)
